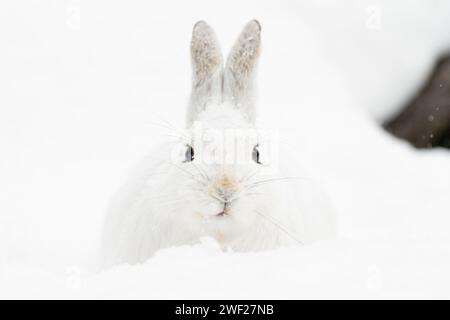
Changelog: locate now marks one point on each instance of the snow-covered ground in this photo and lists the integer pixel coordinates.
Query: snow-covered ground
(83, 84)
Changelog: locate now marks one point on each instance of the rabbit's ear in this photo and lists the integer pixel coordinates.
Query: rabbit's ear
(241, 67)
(206, 68)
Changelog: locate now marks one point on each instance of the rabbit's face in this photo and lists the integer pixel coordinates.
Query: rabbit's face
(221, 174)
(221, 186)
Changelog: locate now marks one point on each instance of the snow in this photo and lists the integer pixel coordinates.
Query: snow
(338, 269)
(85, 85)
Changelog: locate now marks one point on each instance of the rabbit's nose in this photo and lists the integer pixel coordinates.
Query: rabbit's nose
(224, 194)
(224, 187)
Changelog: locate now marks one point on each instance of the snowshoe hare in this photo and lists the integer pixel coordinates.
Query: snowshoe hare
(231, 191)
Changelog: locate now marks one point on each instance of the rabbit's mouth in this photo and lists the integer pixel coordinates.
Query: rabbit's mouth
(224, 211)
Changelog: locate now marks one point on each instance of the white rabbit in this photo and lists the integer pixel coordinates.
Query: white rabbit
(203, 187)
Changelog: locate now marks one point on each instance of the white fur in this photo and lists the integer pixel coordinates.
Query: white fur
(168, 202)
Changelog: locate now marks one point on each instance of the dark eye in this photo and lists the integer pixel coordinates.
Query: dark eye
(255, 154)
(189, 154)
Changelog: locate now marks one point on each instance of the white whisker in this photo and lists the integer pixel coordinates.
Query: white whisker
(281, 227)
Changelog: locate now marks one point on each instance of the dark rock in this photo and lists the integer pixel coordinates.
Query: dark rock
(425, 120)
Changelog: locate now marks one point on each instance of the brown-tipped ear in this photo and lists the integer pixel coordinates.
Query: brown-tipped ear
(205, 52)
(207, 63)
(241, 65)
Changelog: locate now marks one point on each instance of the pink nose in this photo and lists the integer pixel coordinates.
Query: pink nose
(224, 187)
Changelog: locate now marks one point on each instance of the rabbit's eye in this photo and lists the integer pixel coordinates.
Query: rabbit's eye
(255, 154)
(189, 154)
